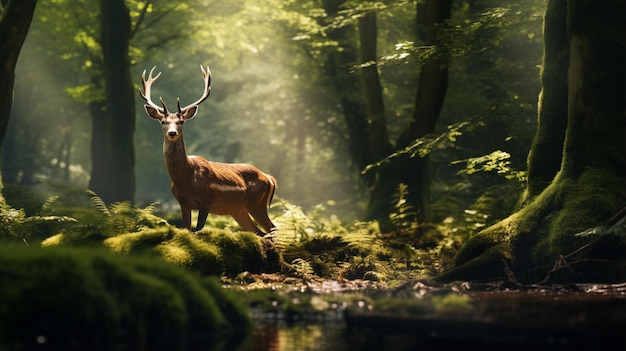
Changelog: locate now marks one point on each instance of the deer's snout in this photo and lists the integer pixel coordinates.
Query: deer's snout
(172, 133)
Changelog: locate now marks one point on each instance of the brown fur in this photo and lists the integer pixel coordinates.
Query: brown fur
(239, 190)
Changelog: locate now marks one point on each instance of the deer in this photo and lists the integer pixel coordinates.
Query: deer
(236, 189)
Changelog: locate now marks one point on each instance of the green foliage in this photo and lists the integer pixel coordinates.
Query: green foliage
(122, 217)
(497, 161)
(302, 268)
(424, 146)
(102, 221)
(359, 267)
(266, 83)
(404, 216)
(17, 226)
(293, 225)
(91, 299)
(305, 246)
(125, 229)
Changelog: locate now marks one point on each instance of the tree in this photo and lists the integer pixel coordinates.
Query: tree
(411, 171)
(15, 21)
(369, 138)
(113, 175)
(337, 67)
(433, 84)
(379, 206)
(589, 189)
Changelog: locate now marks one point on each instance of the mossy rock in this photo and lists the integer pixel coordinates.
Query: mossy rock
(209, 251)
(93, 299)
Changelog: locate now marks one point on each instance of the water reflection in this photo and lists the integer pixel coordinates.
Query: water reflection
(323, 336)
(297, 336)
(511, 320)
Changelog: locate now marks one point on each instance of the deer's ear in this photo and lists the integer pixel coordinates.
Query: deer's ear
(190, 112)
(153, 112)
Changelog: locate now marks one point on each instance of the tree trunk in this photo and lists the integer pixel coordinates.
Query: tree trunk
(431, 91)
(15, 21)
(347, 87)
(117, 178)
(380, 197)
(414, 172)
(544, 164)
(539, 242)
(100, 129)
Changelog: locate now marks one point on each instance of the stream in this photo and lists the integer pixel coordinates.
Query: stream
(420, 317)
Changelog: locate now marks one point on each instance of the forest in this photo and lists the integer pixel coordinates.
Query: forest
(431, 141)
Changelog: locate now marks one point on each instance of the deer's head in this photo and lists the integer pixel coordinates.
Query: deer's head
(172, 122)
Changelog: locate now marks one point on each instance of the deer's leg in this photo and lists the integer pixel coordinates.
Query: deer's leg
(186, 214)
(202, 215)
(260, 215)
(245, 222)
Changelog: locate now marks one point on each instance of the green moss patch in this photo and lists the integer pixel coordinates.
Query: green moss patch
(92, 299)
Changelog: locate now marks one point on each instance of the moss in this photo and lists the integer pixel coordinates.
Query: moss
(54, 240)
(74, 298)
(474, 247)
(239, 252)
(139, 242)
(587, 202)
(536, 236)
(188, 250)
(488, 265)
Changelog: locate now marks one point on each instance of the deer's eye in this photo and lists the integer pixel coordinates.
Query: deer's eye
(163, 122)
(180, 122)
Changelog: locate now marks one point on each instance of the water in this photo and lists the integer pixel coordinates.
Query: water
(281, 336)
(497, 320)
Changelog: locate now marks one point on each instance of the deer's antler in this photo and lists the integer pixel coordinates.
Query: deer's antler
(147, 84)
(206, 76)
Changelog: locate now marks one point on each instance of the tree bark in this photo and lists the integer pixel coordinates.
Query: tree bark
(431, 91)
(547, 148)
(383, 189)
(116, 182)
(15, 21)
(347, 87)
(539, 241)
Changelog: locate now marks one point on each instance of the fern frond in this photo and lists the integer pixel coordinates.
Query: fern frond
(363, 237)
(302, 268)
(49, 219)
(45, 207)
(293, 225)
(121, 208)
(147, 219)
(98, 203)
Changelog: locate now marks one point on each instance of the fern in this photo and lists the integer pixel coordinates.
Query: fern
(118, 218)
(302, 268)
(363, 237)
(98, 203)
(15, 225)
(404, 215)
(293, 225)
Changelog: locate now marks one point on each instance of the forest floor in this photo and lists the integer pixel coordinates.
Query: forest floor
(481, 314)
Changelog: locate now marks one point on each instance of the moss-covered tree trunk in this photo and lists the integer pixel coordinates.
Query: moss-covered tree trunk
(544, 160)
(540, 240)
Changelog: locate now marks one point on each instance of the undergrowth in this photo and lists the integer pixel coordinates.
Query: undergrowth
(306, 245)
